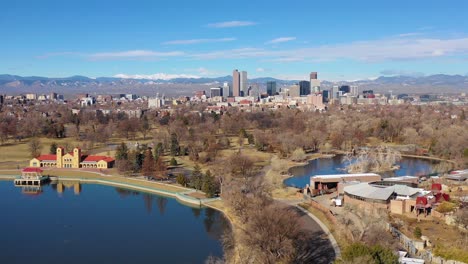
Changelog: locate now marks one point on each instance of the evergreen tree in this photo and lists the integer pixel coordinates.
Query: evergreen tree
(196, 178)
(181, 179)
(148, 166)
(53, 148)
(251, 139)
(173, 162)
(145, 126)
(136, 159)
(121, 152)
(175, 148)
(208, 184)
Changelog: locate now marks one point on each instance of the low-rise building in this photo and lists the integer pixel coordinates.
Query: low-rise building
(74, 159)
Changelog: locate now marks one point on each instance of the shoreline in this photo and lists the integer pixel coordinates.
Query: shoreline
(167, 190)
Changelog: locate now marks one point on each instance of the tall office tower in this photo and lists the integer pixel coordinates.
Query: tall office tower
(314, 83)
(235, 83)
(271, 88)
(313, 75)
(333, 92)
(216, 91)
(345, 89)
(294, 91)
(226, 90)
(244, 87)
(304, 88)
(354, 90)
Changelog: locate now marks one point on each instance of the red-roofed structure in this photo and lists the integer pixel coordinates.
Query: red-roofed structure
(441, 197)
(74, 159)
(30, 169)
(436, 187)
(421, 200)
(47, 157)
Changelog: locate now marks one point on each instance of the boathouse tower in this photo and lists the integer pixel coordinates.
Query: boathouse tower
(59, 153)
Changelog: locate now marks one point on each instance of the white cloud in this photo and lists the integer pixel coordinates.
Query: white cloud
(260, 70)
(197, 41)
(370, 50)
(57, 54)
(227, 24)
(387, 49)
(156, 76)
(133, 54)
(410, 34)
(280, 40)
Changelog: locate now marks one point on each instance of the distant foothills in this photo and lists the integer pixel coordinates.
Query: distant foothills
(439, 83)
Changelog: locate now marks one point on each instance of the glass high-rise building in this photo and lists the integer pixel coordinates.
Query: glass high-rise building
(271, 88)
(304, 88)
(244, 85)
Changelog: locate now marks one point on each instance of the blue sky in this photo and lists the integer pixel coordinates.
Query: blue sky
(342, 40)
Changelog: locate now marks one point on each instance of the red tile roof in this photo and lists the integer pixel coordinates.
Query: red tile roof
(97, 158)
(436, 187)
(30, 169)
(421, 200)
(47, 157)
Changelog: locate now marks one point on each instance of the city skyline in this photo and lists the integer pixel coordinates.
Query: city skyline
(342, 41)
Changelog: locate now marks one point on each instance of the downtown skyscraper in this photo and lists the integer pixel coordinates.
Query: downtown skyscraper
(240, 84)
(235, 83)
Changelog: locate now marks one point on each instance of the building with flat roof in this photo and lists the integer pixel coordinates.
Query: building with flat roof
(326, 183)
(244, 85)
(235, 83)
(271, 88)
(304, 88)
(294, 90)
(216, 91)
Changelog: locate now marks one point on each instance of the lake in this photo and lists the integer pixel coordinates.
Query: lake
(101, 224)
(336, 165)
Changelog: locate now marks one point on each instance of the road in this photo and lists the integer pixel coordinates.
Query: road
(316, 247)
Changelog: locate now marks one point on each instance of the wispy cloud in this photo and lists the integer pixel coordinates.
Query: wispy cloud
(155, 76)
(398, 48)
(197, 41)
(228, 24)
(57, 54)
(410, 34)
(387, 49)
(280, 40)
(133, 54)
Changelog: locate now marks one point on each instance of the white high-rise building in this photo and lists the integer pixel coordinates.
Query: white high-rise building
(226, 90)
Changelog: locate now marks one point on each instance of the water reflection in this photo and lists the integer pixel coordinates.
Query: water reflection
(90, 226)
(60, 187)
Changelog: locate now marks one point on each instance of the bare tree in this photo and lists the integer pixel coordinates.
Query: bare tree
(34, 146)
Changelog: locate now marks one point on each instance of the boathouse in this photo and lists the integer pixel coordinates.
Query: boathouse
(74, 159)
(31, 177)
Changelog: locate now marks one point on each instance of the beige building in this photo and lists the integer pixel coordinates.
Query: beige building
(74, 159)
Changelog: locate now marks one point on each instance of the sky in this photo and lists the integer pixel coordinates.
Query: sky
(341, 40)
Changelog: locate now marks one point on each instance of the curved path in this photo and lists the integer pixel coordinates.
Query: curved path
(317, 245)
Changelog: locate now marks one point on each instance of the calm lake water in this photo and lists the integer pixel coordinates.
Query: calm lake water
(104, 225)
(335, 165)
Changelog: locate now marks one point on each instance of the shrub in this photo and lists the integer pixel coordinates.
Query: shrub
(446, 207)
(417, 232)
(173, 162)
(181, 179)
(360, 253)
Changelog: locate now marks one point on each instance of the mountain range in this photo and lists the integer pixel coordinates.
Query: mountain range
(439, 83)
